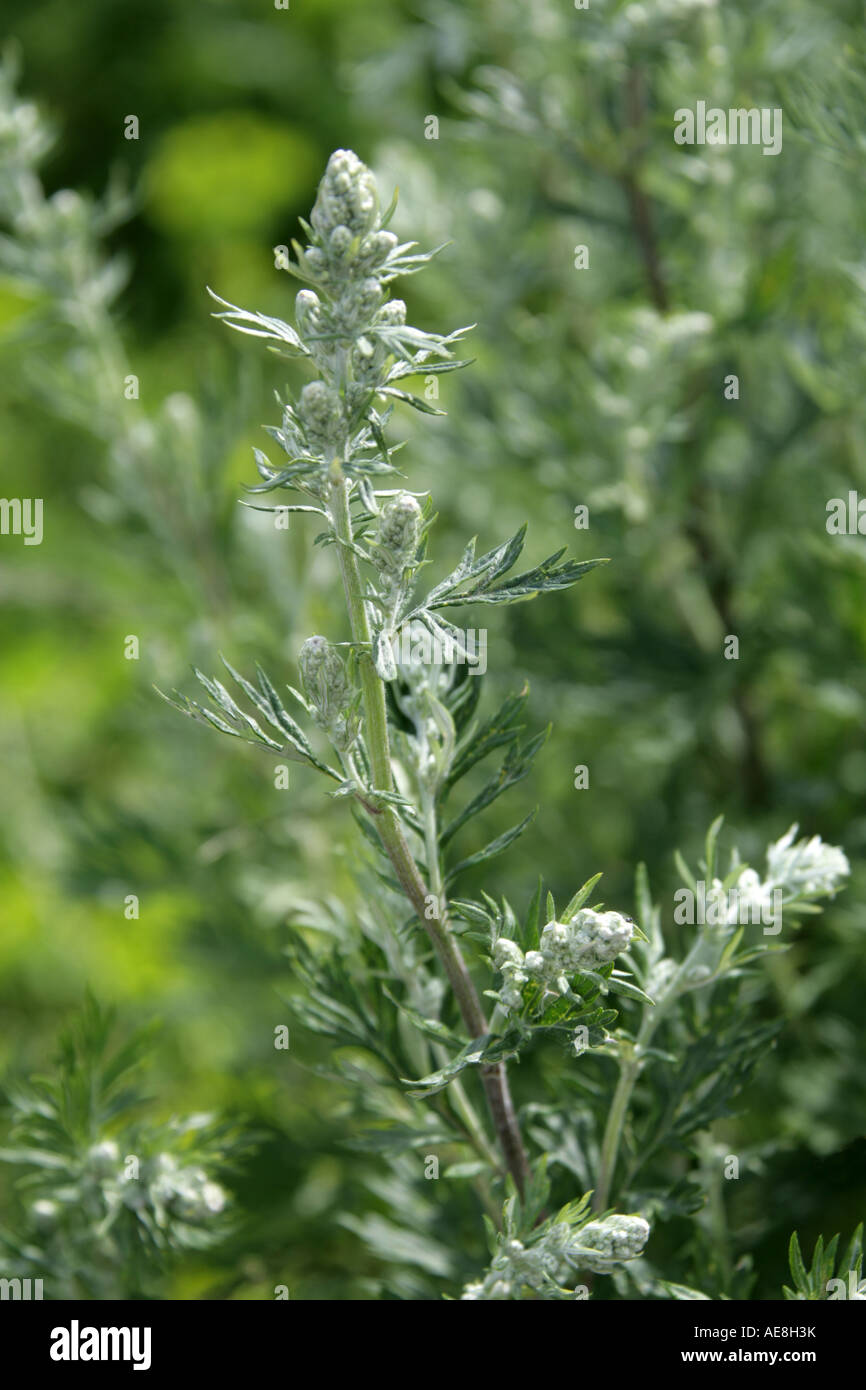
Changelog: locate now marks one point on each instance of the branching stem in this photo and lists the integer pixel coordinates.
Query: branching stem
(630, 1070)
(494, 1078)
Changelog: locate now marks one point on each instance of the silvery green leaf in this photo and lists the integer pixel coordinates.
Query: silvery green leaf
(259, 325)
(710, 847)
(682, 1293)
(474, 1168)
(400, 262)
(464, 568)
(400, 370)
(517, 764)
(501, 728)
(684, 871)
(490, 850)
(415, 401)
(400, 1245)
(617, 985)
(579, 898)
(544, 578)
(280, 508)
(481, 1052)
(430, 1027)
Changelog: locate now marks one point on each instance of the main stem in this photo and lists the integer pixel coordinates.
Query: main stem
(494, 1078)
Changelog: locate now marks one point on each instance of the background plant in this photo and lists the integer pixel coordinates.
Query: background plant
(106, 1200)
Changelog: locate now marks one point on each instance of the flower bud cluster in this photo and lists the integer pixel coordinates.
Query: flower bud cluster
(349, 241)
(808, 868)
(183, 1190)
(598, 1246)
(805, 869)
(603, 1244)
(347, 327)
(587, 942)
(397, 537)
(320, 411)
(354, 336)
(347, 197)
(372, 349)
(328, 690)
(352, 317)
(160, 1187)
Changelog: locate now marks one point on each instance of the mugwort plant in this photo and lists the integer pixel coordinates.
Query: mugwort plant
(402, 984)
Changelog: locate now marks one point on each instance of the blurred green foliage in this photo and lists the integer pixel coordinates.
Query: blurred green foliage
(602, 387)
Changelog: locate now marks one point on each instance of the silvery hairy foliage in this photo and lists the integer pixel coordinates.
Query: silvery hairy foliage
(108, 1199)
(162, 455)
(430, 997)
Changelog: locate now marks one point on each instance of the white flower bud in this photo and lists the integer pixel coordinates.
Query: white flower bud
(601, 1244)
(399, 532)
(323, 676)
(556, 1252)
(377, 248)
(394, 312)
(599, 937)
(45, 1212)
(589, 941)
(347, 197)
(507, 952)
(308, 308)
(315, 261)
(321, 411)
(104, 1157)
(339, 242)
(369, 295)
(213, 1196)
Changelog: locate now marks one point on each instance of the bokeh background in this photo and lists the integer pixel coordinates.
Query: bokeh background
(602, 387)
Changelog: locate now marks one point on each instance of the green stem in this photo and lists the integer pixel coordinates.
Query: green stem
(716, 1211)
(461, 1101)
(629, 1072)
(494, 1078)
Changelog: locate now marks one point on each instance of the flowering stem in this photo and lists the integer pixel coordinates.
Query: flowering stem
(494, 1078)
